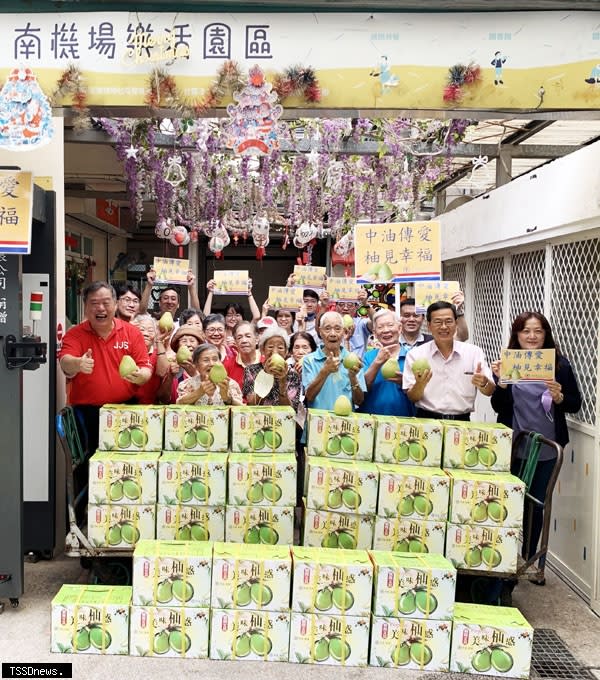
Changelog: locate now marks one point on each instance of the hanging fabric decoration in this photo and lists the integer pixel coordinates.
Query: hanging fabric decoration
(25, 114)
(252, 129)
(180, 236)
(175, 174)
(260, 235)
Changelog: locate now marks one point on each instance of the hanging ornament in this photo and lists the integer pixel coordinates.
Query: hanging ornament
(261, 241)
(286, 239)
(305, 234)
(216, 245)
(164, 228)
(25, 114)
(175, 174)
(252, 128)
(345, 244)
(180, 236)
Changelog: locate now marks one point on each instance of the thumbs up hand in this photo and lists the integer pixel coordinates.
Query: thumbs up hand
(479, 379)
(86, 363)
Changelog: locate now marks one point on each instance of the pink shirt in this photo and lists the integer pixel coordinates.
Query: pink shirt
(450, 389)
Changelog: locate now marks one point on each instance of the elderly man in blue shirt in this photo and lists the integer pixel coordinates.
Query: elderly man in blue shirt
(324, 375)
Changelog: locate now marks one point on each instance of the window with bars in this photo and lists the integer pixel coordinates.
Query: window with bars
(574, 314)
(527, 278)
(488, 325)
(457, 271)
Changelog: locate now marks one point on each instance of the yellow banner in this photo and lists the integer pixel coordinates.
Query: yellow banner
(398, 251)
(312, 277)
(342, 289)
(428, 292)
(231, 282)
(526, 365)
(281, 297)
(171, 270)
(16, 206)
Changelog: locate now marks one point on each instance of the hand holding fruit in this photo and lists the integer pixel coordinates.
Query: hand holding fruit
(352, 364)
(332, 363)
(208, 387)
(276, 366)
(86, 363)
(383, 355)
(224, 391)
(421, 371)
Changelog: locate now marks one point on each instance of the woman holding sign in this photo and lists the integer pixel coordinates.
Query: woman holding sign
(537, 406)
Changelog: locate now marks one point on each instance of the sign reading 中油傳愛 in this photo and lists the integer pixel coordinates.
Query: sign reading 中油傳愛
(16, 205)
(526, 365)
(283, 297)
(171, 270)
(396, 252)
(428, 292)
(231, 282)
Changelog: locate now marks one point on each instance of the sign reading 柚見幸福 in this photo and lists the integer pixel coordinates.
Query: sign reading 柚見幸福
(171, 270)
(16, 205)
(526, 365)
(395, 252)
(428, 292)
(522, 60)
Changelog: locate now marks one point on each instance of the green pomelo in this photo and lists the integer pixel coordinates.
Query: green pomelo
(482, 661)
(351, 499)
(346, 541)
(81, 641)
(241, 645)
(426, 603)
(100, 638)
(204, 438)
(479, 513)
(348, 322)
(183, 355)
(487, 457)
(390, 368)
(138, 437)
(130, 533)
(342, 599)
(423, 505)
(165, 323)
(199, 532)
(334, 445)
(252, 535)
(349, 445)
(160, 644)
(342, 406)
(164, 592)
(189, 439)
(401, 452)
(502, 661)
(257, 441)
(261, 594)
(124, 439)
(217, 373)
(406, 506)
(184, 533)
(407, 602)
(179, 642)
(491, 557)
(417, 546)
(496, 511)
(243, 595)
(420, 653)
(114, 535)
(339, 649)
(260, 644)
(255, 493)
(200, 491)
(334, 499)
(272, 439)
(471, 457)
(131, 489)
(417, 452)
(116, 491)
(351, 361)
(127, 366)
(271, 492)
(401, 546)
(321, 650)
(182, 590)
(268, 535)
(323, 600)
(473, 557)
(330, 541)
(277, 361)
(420, 365)
(384, 274)
(401, 654)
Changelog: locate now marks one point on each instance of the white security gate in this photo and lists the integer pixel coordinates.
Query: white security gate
(561, 279)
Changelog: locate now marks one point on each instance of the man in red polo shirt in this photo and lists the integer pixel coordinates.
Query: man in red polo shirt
(90, 356)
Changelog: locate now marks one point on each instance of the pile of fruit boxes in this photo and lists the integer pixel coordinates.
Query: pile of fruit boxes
(307, 605)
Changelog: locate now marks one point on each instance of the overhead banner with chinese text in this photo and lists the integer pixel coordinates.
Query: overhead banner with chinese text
(16, 206)
(397, 252)
(524, 60)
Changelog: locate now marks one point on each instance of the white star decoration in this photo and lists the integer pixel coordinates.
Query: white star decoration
(131, 152)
